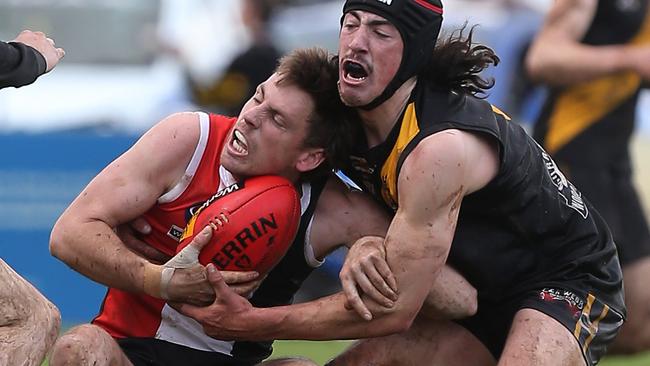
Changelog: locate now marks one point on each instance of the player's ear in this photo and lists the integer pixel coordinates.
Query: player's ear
(310, 159)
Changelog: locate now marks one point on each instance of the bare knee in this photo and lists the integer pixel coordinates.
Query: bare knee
(537, 339)
(80, 345)
(50, 324)
(29, 322)
(70, 346)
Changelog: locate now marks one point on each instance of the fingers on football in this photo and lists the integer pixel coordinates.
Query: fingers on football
(218, 283)
(235, 277)
(203, 238)
(245, 289)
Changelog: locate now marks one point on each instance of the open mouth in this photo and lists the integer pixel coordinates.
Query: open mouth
(354, 71)
(239, 143)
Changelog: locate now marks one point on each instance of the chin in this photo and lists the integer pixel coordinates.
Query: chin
(232, 165)
(352, 100)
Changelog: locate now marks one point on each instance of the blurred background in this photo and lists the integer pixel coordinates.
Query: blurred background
(130, 63)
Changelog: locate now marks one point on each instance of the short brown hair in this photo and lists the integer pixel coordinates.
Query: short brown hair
(315, 71)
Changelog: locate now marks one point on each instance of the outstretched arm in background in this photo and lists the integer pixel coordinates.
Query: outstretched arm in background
(557, 57)
(27, 57)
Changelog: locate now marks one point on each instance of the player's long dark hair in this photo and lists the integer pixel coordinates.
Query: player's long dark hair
(331, 125)
(457, 63)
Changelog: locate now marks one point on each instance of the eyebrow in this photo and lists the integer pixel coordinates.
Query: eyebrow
(273, 110)
(374, 22)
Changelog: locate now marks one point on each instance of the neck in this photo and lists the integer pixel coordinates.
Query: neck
(293, 177)
(378, 122)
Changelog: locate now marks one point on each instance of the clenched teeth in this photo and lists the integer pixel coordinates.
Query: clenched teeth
(239, 142)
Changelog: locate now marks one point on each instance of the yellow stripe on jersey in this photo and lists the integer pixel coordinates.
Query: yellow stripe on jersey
(584, 104)
(189, 229)
(407, 132)
(496, 110)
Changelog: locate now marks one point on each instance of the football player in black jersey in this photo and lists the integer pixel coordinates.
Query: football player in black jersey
(593, 55)
(466, 186)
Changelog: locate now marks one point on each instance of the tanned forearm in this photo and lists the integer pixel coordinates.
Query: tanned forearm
(94, 250)
(322, 319)
(575, 63)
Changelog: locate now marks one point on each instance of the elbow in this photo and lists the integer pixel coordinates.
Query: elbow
(535, 67)
(470, 304)
(539, 62)
(541, 67)
(59, 243)
(400, 321)
(402, 324)
(50, 323)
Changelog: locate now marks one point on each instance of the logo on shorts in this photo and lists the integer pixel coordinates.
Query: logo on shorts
(572, 197)
(572, 301)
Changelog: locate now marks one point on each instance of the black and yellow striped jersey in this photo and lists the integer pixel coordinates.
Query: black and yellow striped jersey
(598, 116)
(529, 227)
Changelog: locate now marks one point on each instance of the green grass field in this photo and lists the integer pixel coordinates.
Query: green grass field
(320, 352)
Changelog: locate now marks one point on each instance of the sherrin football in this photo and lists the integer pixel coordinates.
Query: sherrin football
(263, 214)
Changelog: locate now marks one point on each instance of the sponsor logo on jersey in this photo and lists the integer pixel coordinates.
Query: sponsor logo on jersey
(175, 233)
(569, 193)
(195, 209)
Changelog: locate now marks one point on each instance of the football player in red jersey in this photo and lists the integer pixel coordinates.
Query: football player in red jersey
(290, 126)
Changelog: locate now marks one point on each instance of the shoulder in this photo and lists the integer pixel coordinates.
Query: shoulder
(449, 160)
(171, 142)
(443, 149)
(178, 128)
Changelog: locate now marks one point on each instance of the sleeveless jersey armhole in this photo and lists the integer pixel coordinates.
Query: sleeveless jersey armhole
(186, 179)
(310, 257)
